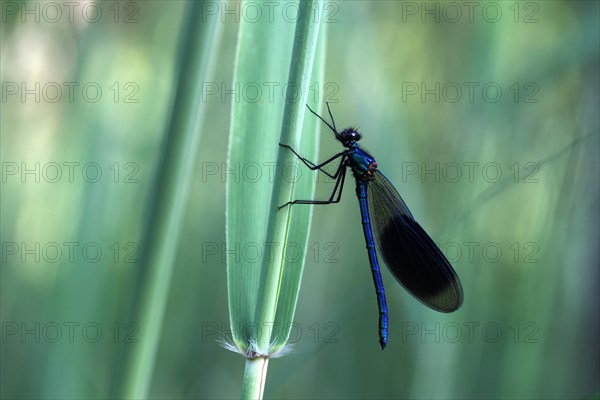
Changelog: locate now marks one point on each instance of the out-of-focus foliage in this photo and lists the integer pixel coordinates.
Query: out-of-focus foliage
(484, 117)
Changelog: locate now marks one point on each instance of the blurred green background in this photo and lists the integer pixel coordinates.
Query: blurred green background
(484, 116)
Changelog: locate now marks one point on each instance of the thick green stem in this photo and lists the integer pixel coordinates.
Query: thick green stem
(255, 375)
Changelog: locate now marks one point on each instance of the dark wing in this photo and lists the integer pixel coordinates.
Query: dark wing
(410, 254)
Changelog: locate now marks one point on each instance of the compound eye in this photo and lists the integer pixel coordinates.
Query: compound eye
(350, 135)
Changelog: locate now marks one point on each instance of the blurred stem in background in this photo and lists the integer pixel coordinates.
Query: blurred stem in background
(264, 295)
(200, 36)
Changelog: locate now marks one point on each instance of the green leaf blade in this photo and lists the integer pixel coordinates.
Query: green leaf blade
(263, 293)
(254, 135)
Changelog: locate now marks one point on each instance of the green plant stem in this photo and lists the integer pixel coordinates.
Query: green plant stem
(168, 199)
(255, 374)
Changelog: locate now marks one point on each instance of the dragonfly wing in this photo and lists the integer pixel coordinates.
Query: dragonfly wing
(408, 251)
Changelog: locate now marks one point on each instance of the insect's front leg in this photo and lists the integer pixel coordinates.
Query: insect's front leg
(314, 166)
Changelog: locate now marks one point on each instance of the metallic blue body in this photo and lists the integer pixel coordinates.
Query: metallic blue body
(362, 163)
(361, 193)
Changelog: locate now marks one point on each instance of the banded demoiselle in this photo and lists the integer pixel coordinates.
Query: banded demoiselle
(408, 251)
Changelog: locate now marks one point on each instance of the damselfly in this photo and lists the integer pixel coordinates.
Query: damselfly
(410, 254)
